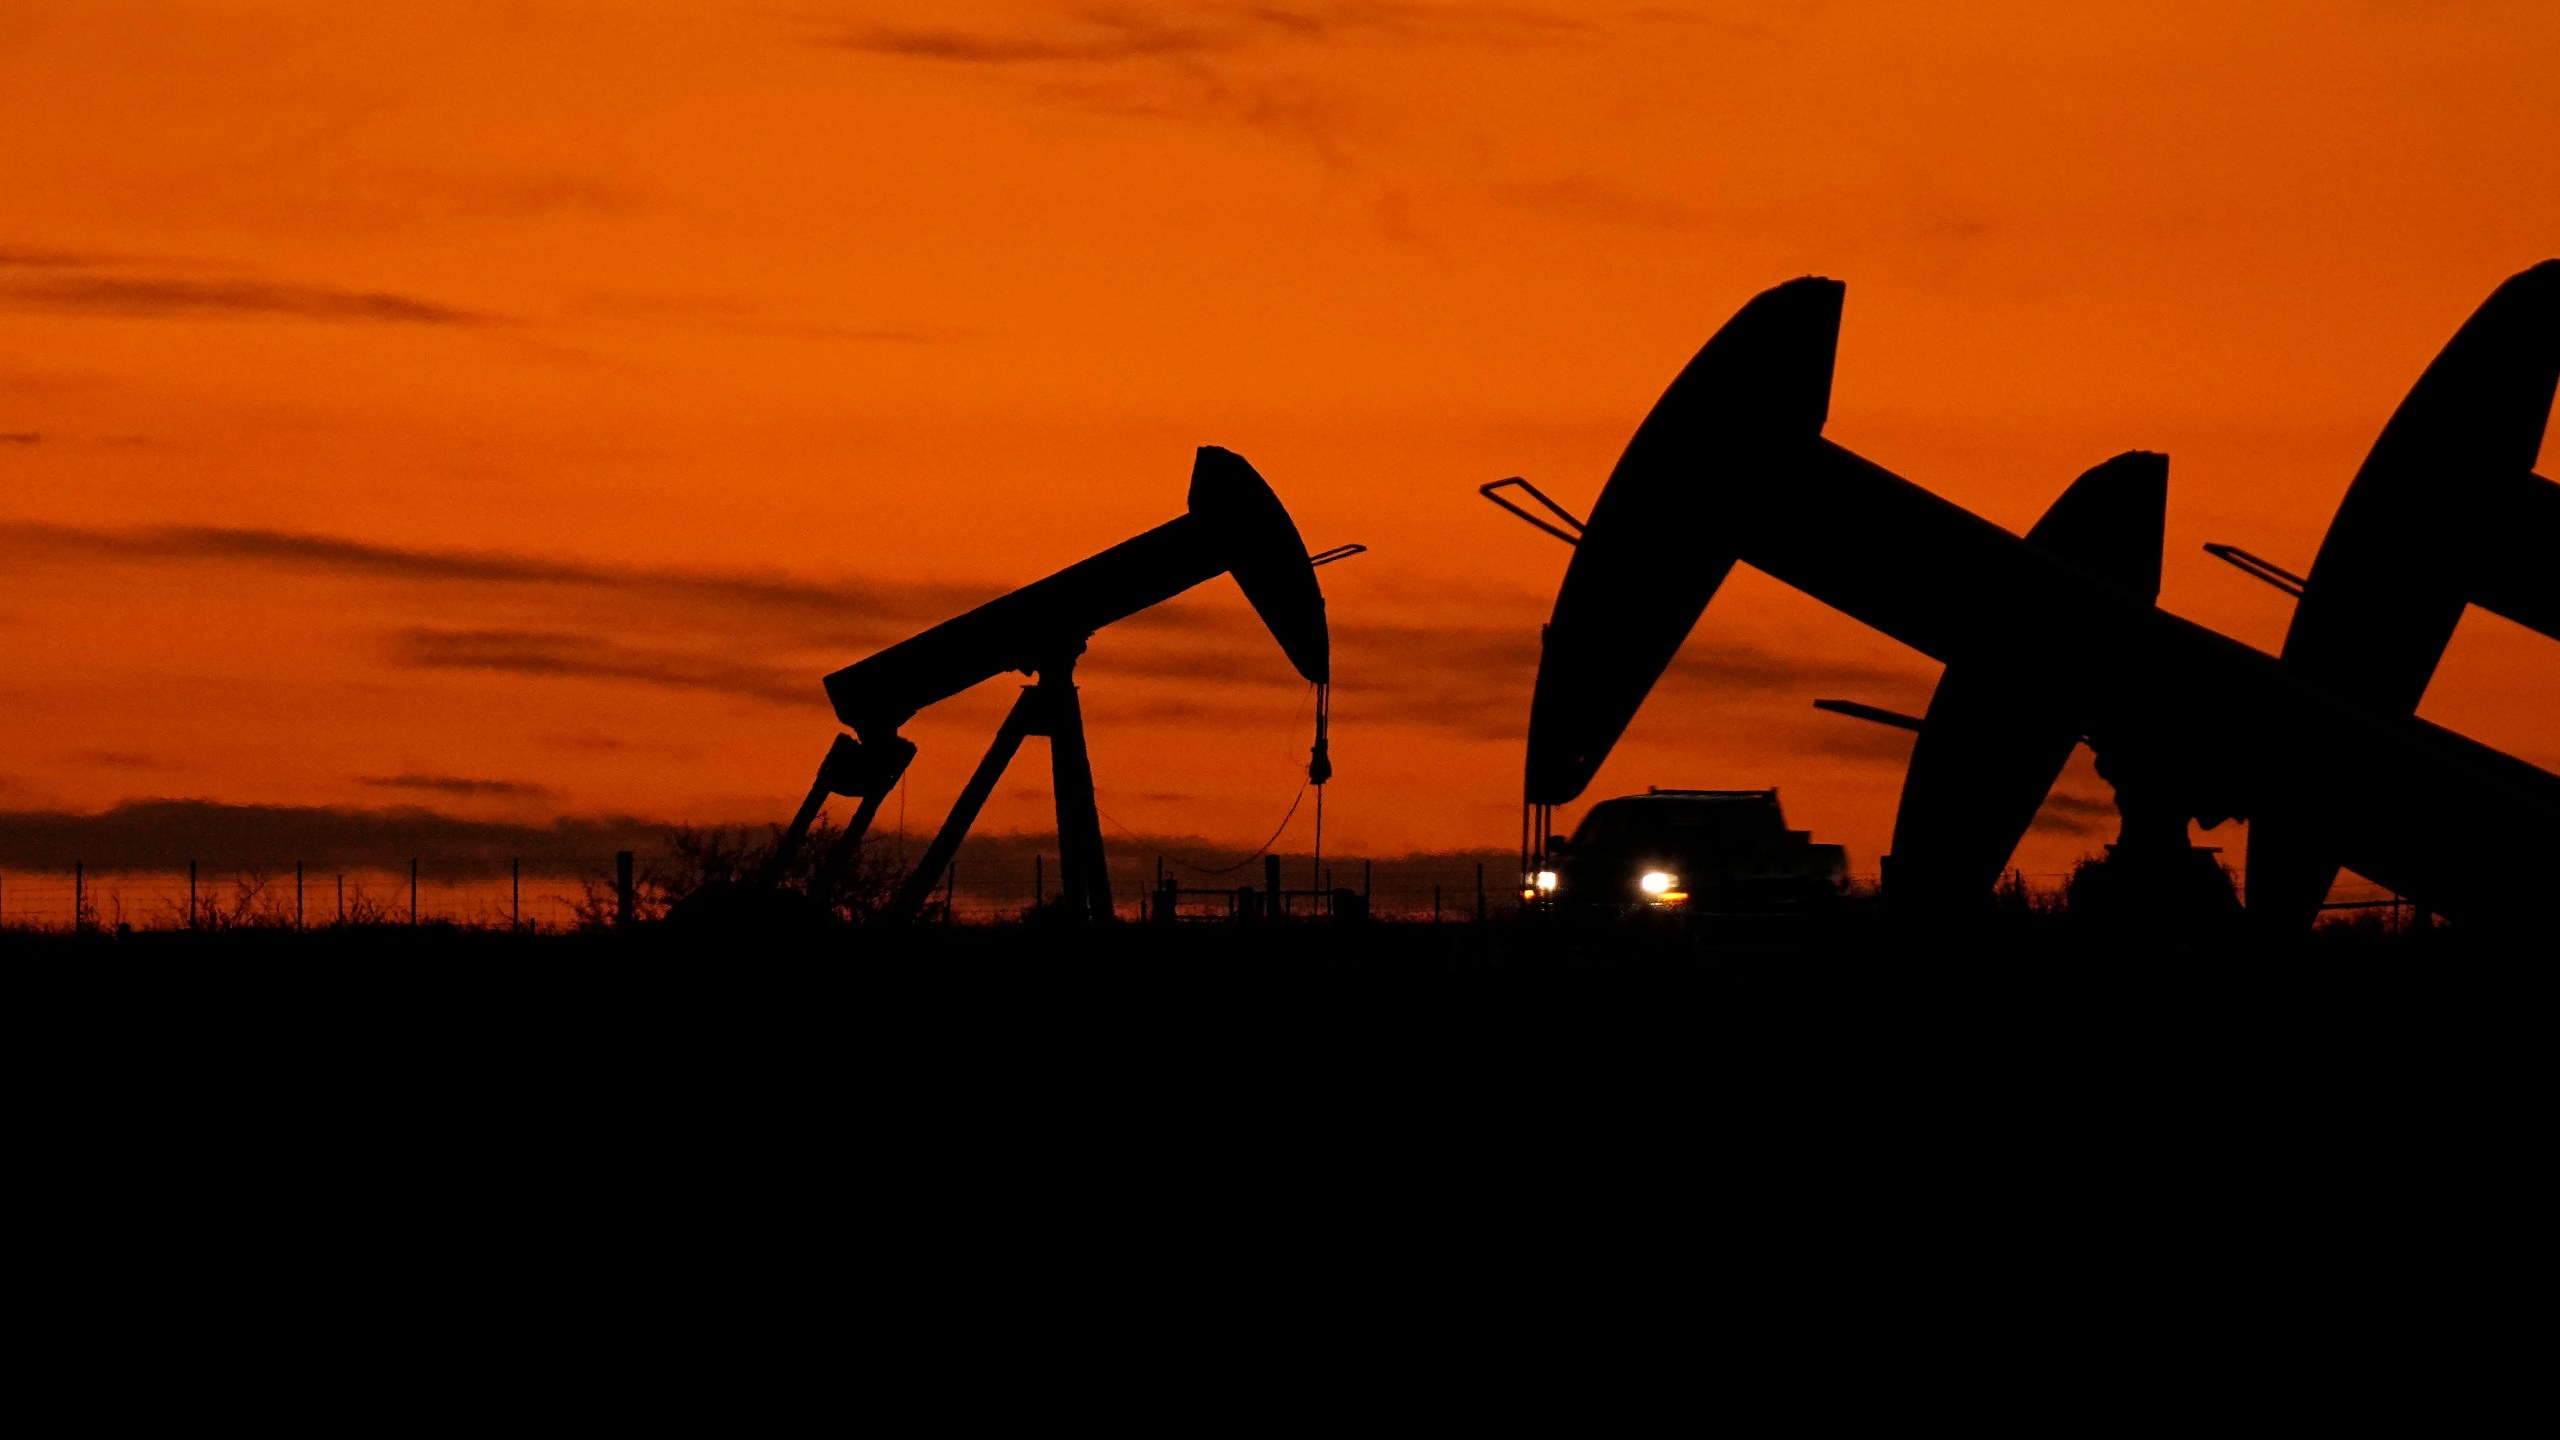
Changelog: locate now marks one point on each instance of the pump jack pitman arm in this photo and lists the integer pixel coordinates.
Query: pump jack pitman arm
(853, 770)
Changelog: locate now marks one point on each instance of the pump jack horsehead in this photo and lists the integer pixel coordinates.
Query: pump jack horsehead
(1235, 526)
(2055, 637)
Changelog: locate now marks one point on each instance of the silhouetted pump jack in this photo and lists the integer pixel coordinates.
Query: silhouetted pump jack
(1235, 526)
(1732, 466)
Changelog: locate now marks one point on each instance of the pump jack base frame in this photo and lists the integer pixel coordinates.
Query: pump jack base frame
(1048, 708)
(870, 770)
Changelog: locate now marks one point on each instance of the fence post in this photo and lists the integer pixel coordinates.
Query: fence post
(413, 892)
(623, 900)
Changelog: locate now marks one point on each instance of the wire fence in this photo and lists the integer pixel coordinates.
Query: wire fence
(1399, 890)
(296, 896)
(291, 895)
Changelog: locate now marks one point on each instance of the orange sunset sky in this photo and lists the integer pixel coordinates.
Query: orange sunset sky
(515, 408)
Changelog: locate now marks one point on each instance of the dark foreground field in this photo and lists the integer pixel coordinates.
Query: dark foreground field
(1310, 1148)
(1854, 991)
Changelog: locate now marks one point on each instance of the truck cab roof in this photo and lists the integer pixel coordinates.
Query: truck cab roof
(1684, 820)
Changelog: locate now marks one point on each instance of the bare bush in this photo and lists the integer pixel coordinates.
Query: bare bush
(364, 910)
(255, 902)
(736, 857)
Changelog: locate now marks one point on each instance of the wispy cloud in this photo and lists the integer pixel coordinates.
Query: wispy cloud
(2068, 814)
(841, 607)
(768, 638)
(163, 296)
(1470, 678)
(456, 785)
(28, 257)
(114, 759)
(740, 318)
(569, 655)
(1589, 199)
(1230, 64)
(1096, 34)
(40, 279)
(1470, 681)
(1089, 36)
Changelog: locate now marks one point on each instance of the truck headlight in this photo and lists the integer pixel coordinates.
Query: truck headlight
(1545, 880)
(1657, 882)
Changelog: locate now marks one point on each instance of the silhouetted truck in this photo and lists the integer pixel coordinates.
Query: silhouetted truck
(1700, 851)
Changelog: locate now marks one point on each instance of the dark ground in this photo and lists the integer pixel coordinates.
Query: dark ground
(1849, 996)
(1277, 1155)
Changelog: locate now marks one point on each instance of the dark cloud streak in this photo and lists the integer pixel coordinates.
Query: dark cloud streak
(1101, 37)
(1205, 659)
(160, 836)
(165, 834)
(1130, 33)
(455, 785)
(1205, 63)
(21, 257)
(568, 655)
(2068, 814)
(161, 297)
(338, 555)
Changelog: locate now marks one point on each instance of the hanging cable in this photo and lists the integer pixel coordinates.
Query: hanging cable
(1258, 854)
(1319, 770)
(1114, 822)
